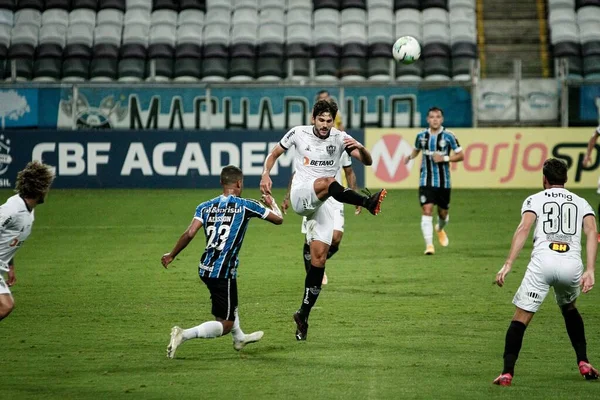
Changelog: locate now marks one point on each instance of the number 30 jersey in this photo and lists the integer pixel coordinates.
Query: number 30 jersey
(225, 220)
(559, 224)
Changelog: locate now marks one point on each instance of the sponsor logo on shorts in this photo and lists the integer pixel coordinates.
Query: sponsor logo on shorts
(559, 247)
(534, 297)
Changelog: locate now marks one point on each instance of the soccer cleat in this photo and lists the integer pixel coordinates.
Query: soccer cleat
(324, 281)
(429, 250)
(503, 380)
(251, 338)
(301, 326)
(373, 203)
(442, 237)
(176, 340)
(588, 371)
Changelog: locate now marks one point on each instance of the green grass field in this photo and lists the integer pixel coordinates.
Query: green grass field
(94, 307)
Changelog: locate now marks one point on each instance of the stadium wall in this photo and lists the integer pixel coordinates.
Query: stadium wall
(494, 157)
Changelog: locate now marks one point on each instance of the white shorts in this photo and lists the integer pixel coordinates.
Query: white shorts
(338, 216)
(304, 199)
(4, 289)
(563, 276)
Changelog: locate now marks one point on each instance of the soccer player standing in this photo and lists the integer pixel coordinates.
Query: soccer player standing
(16, 220)
(318, 150)
(559, 217)
(436, 143)
(225, 220)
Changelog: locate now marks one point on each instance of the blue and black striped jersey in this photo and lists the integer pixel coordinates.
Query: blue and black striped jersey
(225, 219)
(436, 174)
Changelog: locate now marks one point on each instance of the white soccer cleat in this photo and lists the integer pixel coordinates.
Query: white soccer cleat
(251, 338)
(176, 340)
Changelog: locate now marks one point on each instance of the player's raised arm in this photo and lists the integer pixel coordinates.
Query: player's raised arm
(527, 220)
(591, 247)
(266, 184)
(587, 160)
(357, 150)
(182, 243)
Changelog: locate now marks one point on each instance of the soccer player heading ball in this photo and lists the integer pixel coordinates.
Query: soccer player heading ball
(318, 150)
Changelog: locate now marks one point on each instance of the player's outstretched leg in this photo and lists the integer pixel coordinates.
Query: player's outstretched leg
(176, 340)
(206, 330)
(372, 202)
(240, 339)
(312, 289)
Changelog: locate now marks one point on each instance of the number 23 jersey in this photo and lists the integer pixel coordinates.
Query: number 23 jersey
(559, 223)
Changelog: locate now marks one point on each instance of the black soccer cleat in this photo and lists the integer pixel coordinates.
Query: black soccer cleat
(373, 203)
(301, 326)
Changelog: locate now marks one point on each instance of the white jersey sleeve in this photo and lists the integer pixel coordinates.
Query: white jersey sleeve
(15, 227)
(289, 139)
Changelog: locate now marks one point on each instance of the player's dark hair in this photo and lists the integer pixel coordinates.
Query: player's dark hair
(230, 175)
(34, 180)
(325, 106)
(555, 171)
(435, 109)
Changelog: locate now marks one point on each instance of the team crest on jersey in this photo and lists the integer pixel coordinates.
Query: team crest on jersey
(443, 144)
(330, 149)
(559, 247)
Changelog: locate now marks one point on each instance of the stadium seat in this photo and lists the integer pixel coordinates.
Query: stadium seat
(160, 61)
(76, 63)
(22, 54)
(193, 5)
(411, 72)
(58, 4)
(24, 34)
(590, 49)
(403, 4)
(436, 68)
(327, 61)
(3, 56)
(353, 62)
(104, 65)
(110, 17)
(591, 65)
(461, 68)
(188, 59)
(298, 54)
(144, 5)
(28, 16)
(190, 34)
(53, 33)
(350, 4)
(426, 4)
(271, 5)
(37, 5)
(132, 62)
(10, 5)
(575, 66)
(219, 4)
(55, 16)
(584, 3)
(118, 5)
(190, 17)
(409, 22)
(320, 4)
(378, 62)
(90, 4)
(462, 49)
(48, 62)
(566, 49)
(172, 5)
(435, 50)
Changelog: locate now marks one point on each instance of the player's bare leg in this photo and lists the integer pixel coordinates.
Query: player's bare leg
(7, 304)
(512, 345)
(443, 219)
(329, 187)
(427, 228)
(312, 286)
(576, 331)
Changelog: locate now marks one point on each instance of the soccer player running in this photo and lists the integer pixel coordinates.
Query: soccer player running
(587, 160)
(559, 217)
(338, 216)
(16, 219)
(224, 219)
(318, 150)
(436, 143)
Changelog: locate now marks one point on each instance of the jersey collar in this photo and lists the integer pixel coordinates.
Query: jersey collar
(317, 135)
(441, 130)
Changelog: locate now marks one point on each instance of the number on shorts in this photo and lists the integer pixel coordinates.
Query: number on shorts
(216, 240)
(560, 218)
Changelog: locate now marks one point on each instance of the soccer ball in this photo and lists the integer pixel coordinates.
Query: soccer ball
(406, 50)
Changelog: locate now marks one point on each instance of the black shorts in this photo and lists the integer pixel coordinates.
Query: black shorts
(224, 297)
(433, 195)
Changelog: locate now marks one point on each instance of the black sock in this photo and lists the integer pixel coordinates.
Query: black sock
(512, 346)
(332, 251)
(306, 256)
(312, 288)
(576, 331)
(345, 195)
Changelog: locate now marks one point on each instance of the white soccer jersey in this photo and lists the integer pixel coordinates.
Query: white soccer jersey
(314, 157)
(15, 227)
(345, 161)
(559, 222)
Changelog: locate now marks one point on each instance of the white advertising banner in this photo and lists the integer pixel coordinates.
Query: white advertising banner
(497, 100)
(538, 100)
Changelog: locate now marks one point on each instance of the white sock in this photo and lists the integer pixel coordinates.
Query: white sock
(427, 229)
(443, 222)
(236, 331)
(206, 330)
